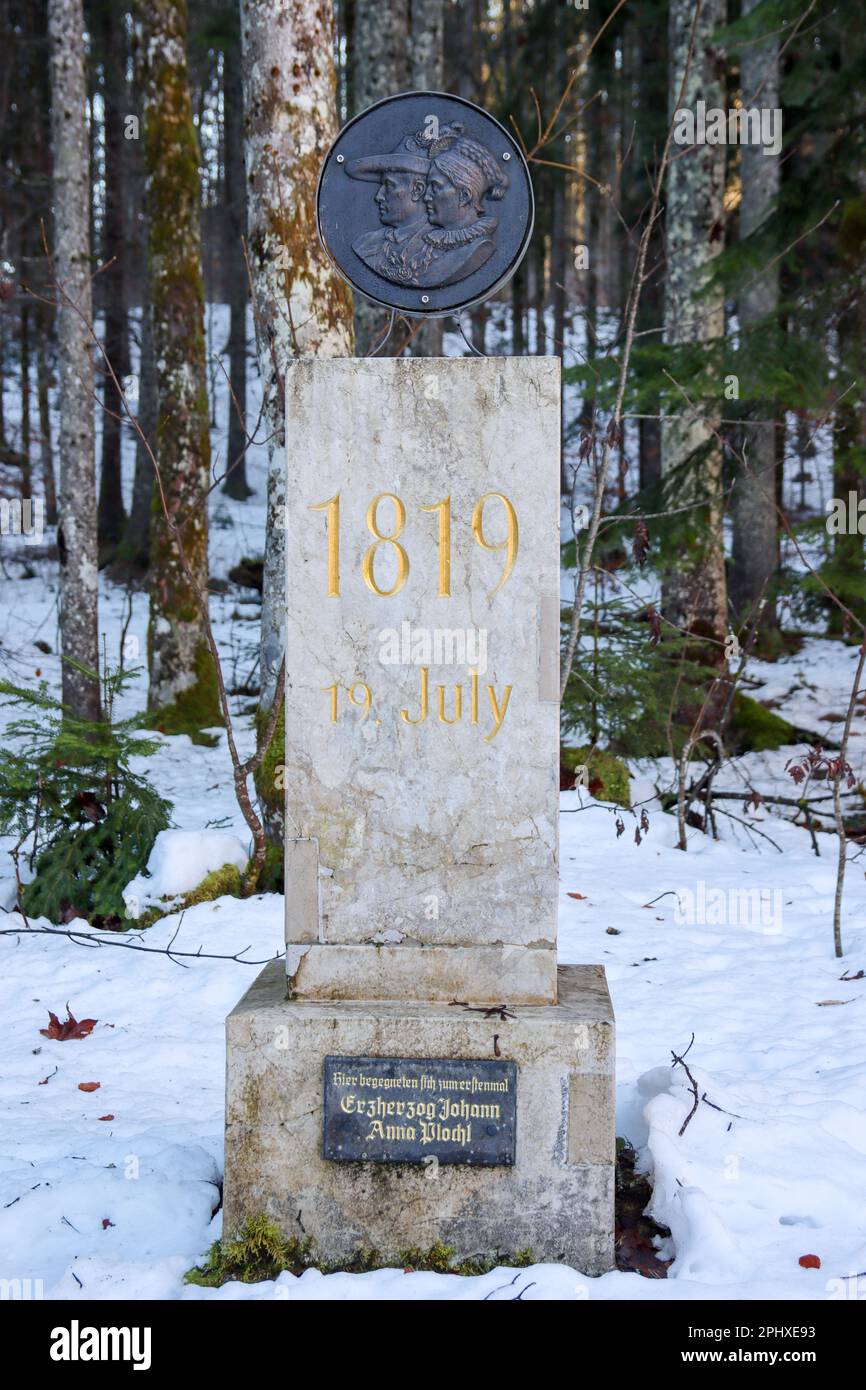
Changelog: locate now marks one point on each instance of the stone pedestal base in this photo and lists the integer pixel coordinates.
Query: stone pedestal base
(557, 1198)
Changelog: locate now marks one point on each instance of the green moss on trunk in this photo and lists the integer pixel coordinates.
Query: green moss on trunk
(182, 691)
(270, 777)
(194, 708)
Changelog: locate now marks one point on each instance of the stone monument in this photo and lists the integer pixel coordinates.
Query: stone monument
(419, 1070)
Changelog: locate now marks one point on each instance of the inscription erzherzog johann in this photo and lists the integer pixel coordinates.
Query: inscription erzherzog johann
(412, 1110)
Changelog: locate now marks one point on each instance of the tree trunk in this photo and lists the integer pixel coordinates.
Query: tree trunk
(76, 538)
(518, 310)
(2, 380)
(111, 517)
(301, 307)
(381, 68)
(45, 450)
(539, 296)
(644, 128)
(24, 345)
(135, 548)
(133, 553)
(845, 573)
(755, 552)
(182, 692)
(428, 75)
(465, 34)
(236, 484)
(694, 596)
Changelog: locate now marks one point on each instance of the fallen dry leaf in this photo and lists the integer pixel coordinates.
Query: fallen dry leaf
(809, 1262)
(106, 1117)
(71, 1028)
(580, 896)
(89, 1085)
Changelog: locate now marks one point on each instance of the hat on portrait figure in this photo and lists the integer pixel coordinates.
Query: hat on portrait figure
(396, 250)
(462, 235)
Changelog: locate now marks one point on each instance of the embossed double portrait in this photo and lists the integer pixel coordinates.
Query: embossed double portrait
(425, 204)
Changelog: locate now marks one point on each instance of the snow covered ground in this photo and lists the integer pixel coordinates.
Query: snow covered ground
(113, 1192)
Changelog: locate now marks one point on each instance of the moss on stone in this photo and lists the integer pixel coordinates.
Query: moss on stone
(226, 882)
(195, 708)
(755, 729)
(607, 775)
(262, 1252)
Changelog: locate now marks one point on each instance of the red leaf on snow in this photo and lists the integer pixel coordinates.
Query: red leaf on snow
(70, 1028)
(580, 896)
(89, 1085)
(106, 1117)
(106, 1223)
(809, 1262)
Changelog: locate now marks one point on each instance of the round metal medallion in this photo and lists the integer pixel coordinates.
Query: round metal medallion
(425, 204)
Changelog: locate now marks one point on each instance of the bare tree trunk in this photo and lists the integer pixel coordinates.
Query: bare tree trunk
(465, 36)
(110, 516)
(645, 78)
(428, 44)
(755, 553)
(79, 636)
(518, 310)
(24, 347)
(301, 307)
(182, 692)
(236, 484)
(45, 450)
(540, 268)
(2, 380)
(849, 451)
(133, 553)
(135, 548)
(427, 56)
(694, 594)
(381, 68)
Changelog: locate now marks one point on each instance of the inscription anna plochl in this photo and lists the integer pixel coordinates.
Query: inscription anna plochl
(407, 1110)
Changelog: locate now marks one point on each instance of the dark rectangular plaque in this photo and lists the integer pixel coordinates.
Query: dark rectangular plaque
(420, 1109)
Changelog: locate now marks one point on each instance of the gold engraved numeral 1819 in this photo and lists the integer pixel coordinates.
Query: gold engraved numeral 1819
(509, 544)
(382, 539)
(444, 510)
(332, 507)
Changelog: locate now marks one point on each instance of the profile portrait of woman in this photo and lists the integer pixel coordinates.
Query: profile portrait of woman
(463, 175)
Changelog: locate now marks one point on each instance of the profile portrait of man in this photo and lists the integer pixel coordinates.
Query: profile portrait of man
(396, 250)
